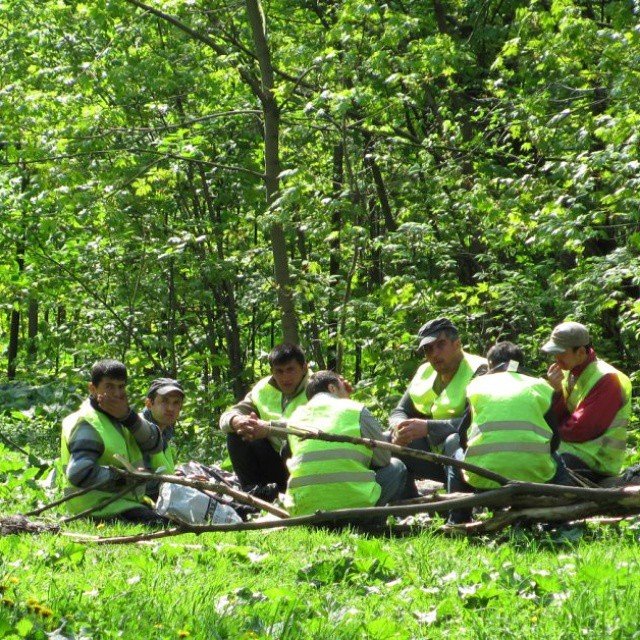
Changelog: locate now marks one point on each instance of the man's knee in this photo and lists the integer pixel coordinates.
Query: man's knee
(451, 445)
(392, 480)
(399, 468)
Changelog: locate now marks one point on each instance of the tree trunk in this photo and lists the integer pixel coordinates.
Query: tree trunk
(271, 113)
(12, 351)
(334, 246)
(14, 327)
(225, 297)
(32, 333)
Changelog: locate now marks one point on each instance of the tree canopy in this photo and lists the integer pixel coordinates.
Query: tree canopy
(185, 184)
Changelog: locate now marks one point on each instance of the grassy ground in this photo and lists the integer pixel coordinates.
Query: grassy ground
(318, 584)
(298, 583)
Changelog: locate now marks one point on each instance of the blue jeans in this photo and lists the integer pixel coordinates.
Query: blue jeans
(391, 479)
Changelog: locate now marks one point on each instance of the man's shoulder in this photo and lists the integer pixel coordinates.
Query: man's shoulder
(474, 361)
(424, 370)
(84, 413)
(146, 415)
(267, 383)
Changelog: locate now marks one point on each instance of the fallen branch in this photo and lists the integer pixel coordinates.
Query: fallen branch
(205, 485)
(276, 428)
(19, 524)
(101, 505)
(558, 504)
(69, 496)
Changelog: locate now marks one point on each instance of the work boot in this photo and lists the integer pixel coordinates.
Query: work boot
(267, 492)
(460, 516)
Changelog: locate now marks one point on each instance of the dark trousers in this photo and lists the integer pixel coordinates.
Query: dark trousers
(457, 484)
(580, 467)
(257, 462)
(421, 469)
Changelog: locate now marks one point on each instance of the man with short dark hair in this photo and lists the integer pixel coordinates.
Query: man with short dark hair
(163, 405)
(338, 475)
(105, 427)
(508, 428)
(435, 396)
(591, 401)
(258, 458)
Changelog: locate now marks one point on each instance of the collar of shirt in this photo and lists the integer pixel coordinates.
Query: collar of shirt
(576, 371)
(326, 394)
(167, 434)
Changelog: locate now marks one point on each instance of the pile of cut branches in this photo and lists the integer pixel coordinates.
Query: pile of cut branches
(512, 502)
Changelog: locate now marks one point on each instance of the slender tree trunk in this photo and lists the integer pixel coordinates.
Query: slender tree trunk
(334, 246)
(14, 325)
(32, 332)
(271, 113)
(14, 337)
(309, 306)
(225, 298)
(171, 320)
(381, 189)
(61, 318)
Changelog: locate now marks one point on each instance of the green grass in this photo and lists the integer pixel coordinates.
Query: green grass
(319, 584)
(310, 583)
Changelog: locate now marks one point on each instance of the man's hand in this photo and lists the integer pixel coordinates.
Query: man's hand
(409, 430)
(250, 427)
(555, 377)
(116, 407)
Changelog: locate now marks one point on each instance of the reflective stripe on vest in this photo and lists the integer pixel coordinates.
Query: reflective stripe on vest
(332, 478)
(451, 401)
(508, 433)
(604, 454)
(331, 454)
(269, 400)
(329, 475)
(116, 440)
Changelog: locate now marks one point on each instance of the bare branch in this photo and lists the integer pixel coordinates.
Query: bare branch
(277, 428)
(204, 485)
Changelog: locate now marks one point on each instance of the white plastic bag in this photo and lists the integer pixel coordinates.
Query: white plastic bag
(184, 503)
(190, 505)
(224, 514)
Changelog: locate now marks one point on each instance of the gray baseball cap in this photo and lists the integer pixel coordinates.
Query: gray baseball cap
(430, 331)
(162, 386)
(567, 335)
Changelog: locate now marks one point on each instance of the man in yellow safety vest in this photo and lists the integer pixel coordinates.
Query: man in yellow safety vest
(591, 402)
(258, 459)
(104, 427)
(435, 396)
(338, 475)
(508, 428)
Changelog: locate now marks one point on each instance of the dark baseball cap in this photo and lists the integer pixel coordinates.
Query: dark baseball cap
(567, 335)
(430, 331)
(162, 386)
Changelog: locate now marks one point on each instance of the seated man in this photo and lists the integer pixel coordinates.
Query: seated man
(510, 428)
(435, 396)
(104, 426)
(591, 402)
(258, 459)
(336, 475)
(163, 405)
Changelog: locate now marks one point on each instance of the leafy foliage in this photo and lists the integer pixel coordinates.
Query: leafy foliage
(471, 159)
